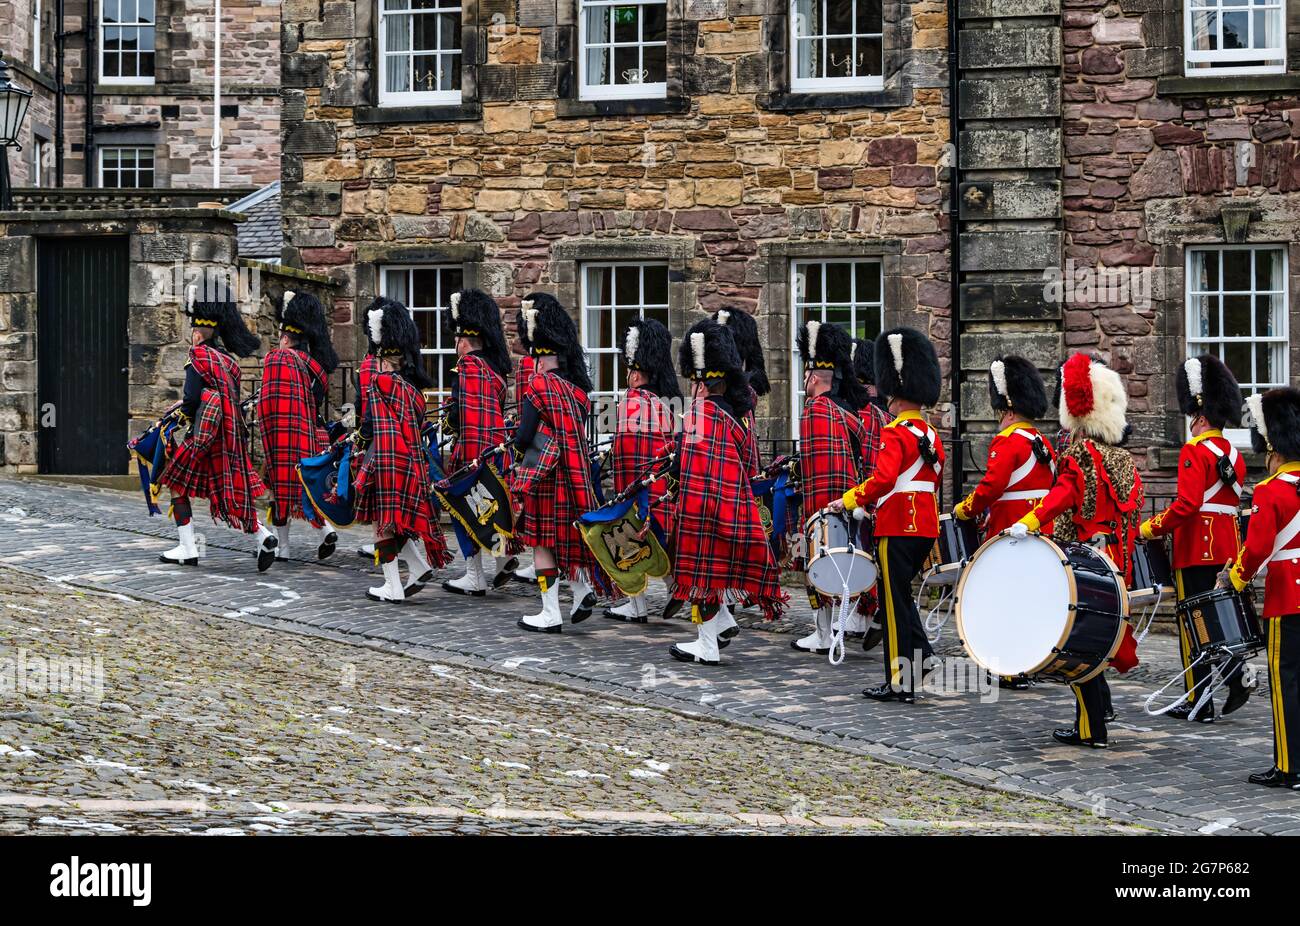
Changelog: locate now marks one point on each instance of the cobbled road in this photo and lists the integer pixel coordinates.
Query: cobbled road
(287, 702)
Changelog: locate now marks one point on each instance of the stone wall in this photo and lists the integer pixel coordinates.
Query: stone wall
(727, 179)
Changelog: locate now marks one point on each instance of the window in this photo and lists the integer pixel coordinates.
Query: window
(420, 52)
(848, 293)
(1235, 37)
(41, 151)
(1237, 310)
(613, 296)
(837, 45)
(125, 167)
(623, 49)
(426, 291)
(126, 41)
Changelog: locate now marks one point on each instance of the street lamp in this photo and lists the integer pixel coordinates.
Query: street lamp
(13, 109)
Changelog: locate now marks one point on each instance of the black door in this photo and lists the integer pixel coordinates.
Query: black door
(81, 353)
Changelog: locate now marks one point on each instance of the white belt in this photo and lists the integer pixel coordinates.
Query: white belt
(1284, 537)
(914, 486)
(1293, 553)
(1218, 509)
(1024, 495)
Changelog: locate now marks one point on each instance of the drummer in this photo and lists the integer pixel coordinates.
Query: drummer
(1274, 420)
(1203, 518)
(831, 440)
(1097, 497)
(1022, 464)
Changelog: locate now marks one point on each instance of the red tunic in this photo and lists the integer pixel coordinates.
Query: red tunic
(1273, 542)
(719, 544)
(480, 423)
(830, 453)
(1203, 518)
(212, 461)
(645, 433)
(1014, 481)
(904, 488)
(287, 418)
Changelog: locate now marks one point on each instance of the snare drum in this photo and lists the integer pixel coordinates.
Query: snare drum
(1029, 606)
(834, 557)
(1221, 622)
(1151, 569)
(958, 540)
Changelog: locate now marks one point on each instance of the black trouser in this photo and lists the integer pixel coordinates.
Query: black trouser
(900, 560)
(1194, 580)
(1284, 689)
(1092, 704)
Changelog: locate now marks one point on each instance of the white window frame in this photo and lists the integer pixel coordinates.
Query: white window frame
(589, 91)
(36, 35)
(799, 304)
(139, 24)
(445, 345)
(821, 84)
(587, 334)
(138, 149)
(1256, 60)
(417, 97)
(1280, 342)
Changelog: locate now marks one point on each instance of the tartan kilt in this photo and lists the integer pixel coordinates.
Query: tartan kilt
(189, 471)
(286, 415)
(645, 433)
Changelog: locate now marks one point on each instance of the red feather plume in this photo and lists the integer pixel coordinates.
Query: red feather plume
(1077, 385)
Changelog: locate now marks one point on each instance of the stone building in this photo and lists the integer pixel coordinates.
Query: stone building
(149, 89)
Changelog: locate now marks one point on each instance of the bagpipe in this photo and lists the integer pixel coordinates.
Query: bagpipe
(777, 492)
(624, 535)
(152, 449)
(327, 483)
(477, 498)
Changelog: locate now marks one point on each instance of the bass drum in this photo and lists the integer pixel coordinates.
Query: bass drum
(1028, 606)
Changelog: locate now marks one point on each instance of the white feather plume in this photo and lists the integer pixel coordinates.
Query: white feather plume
(375, 322)
(697, 350)
(896, 348)
(526, 305)
(853, 350)
(288, 296)
(455, 306)
(722, 316)
(813, 329)
(1195, 385)
(530, 320)
(1255, 414)
(998, 370)
(191, 292)
(633, 341)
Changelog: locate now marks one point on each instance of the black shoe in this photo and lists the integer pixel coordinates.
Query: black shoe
(682, 656)
(672, 607)
(729, 633)
(503, 576)
(887, 693)
(625, 618)
(584, 609)
(1069, 736)
(1181, 712)
(266, 554)
(327, 546)
(1184, 712)
(191, 561)
(1238, 695)
(1109, 716)
(456, 590)
(1275, 778)
(557, 628)
(1013, 683)
(871, 639)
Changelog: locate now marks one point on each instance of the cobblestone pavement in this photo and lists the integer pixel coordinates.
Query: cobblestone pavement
(172, 721)
(1158, 772)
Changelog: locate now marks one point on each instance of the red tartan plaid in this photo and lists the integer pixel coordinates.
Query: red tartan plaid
(212, 461)
(521, 379)
(873, 419)
(366, 374)
(392, 485)
(286, 416)
(480, 422)
(830, 460)
(719, 545)
(645, 433)
(557, 489)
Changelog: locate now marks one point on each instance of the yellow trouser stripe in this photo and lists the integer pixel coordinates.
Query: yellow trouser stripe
(1085, 725)
(1184, 641)
(891, 623)
(1275, 685)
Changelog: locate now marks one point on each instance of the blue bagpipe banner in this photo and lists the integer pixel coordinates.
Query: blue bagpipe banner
(327, 484)
(479, 503)
(627, 541)
(777, 500)
(151, 449)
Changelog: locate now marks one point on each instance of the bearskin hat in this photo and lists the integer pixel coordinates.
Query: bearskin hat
(302, 315)
(648, 347)
(864, 367)
(1093, 401)
(546, 329)
(393, 333)
(708, 354)
(215, 307)
(744, 330)
(475, 314)
(1274, 421)
(1016, 384)
(907, 367)
(823, 346)
(1207, 387)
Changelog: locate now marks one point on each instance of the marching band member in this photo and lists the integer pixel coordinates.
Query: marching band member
(1274, 420)
(646, 429)
(476, 417)
(212, 460)
(295, 377)
(367, 370)
(1021, 465)
(831, 440)
(525, 574)
(875, 418)
(903, 492)
(553, 476)
(1203, 518)
(1097, 498)
(720, 549)
(392, 485)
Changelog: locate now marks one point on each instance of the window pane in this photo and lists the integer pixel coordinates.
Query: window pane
(1237, 357)
(1236, 316)
(1236, 271)
(627, 65)
(425, 287)
(1268, 269)
(654, 63)
(871, 56)
(808, 58)
(839, 282)
(839, 18)
(626, 27)
(869, 17)
(868, 276)
(656, 286)
(839, 57)
(627, 286)
(654, 27)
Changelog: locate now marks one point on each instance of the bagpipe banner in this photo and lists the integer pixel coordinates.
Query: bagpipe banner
(327, 484)
(479, 502)
(629, 549)
(151, 449)
(778, 506)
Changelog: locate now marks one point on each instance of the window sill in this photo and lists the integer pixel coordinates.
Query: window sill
(889, 98)
(1228, 85)
(577, 109)
(381, 115)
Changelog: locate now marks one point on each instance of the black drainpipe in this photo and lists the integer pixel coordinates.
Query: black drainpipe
(92, 68)
(60, 94)
(957, 459)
